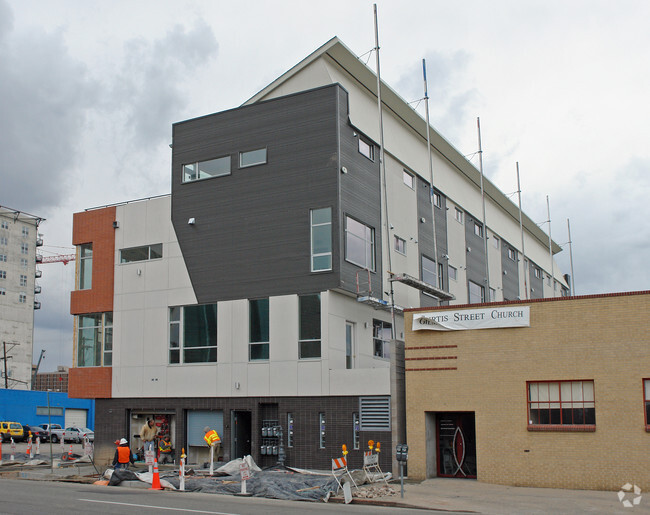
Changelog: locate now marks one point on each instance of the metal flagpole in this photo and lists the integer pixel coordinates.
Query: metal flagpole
(485, 245)
(572, 290)
(521, 229)
(550, 246)
(383, 173)
(438, 279)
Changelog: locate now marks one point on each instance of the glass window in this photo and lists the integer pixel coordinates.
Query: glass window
(206, 169)
(4, 240)
(476, 293)
(381, 335)
(289, 429)
(193, 334)
(356, 431)
(3, 257)
(366, 149)
(144, 253)
(4, 224)
(3, 274)
(437, 200)
(175, 334)
(252, 158)
(22, 298)
(495, 242)
(258, 315)
(309, 330)
(400, 245)
(321, 427)
(512, 254)
(349, 345)
(108, 339)
(25, 232)
(3, 291)
(459, 216)
(453, 273)
(359, 244)
(646, 397)
(23, 262)
(538, 272)
(478, 229)
(23, 280)
(24, 248)
(561, 403)
(85, 266)
(89, 340)
(408, 179)
(429, 271)
(321, 239)
(493, 295)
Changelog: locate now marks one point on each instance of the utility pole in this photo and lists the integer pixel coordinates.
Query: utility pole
(5, 358)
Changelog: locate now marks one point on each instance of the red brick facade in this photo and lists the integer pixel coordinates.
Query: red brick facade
(90, 383)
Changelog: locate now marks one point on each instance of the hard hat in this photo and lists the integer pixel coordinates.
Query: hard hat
(123, 441)
(206, 429)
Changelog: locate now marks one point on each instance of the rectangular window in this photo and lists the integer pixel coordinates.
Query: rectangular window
(512, 254)
(206, 169)
(252, 158)
(538, 272)
(400, 245)
(495, 242)
(24, 248)
(309, 330)
(3, 274)
(437, 200)
(646, 400)
(356, 431)
(85, 266)
(408, 179)
(321, 239)
(53, 411)
(429, 271)
(25, 232)
(23, 280)
(144, 253)
(23, 262)
(374, 413)
(3, 257)
(478, 229)
(89, 340)
(349, 345)
(359, 244)
(453, 273)
(561, 404)
(289, 430)
(548, 279)
(22, 298)
(3, 240)
(381, 335)
(366, 149)
(3, 291)
(193, 334)
(4, 224)
(258, 317)
(459, 216)
(321, 426)
(108, 339)
(476, 293)
(493, 295)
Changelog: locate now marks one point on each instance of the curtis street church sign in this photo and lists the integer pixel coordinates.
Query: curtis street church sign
(465, 319)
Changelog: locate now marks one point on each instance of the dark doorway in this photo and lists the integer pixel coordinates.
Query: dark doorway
(241, 434)
(456, 445)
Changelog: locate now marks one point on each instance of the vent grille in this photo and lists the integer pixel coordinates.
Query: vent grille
(375, 413)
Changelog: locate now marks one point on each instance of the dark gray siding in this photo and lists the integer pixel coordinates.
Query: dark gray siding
(510, 272)
(425, 235)
(536, 283)
(252, 231)
(475, 252)
(361, 200)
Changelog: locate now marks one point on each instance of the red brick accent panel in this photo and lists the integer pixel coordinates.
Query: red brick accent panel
(95, 227)
(90, 383)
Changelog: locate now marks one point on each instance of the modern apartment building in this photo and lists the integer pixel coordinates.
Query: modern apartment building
(267, 289)
(19, 239)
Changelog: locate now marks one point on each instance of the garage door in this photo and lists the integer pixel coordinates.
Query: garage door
(76, 417)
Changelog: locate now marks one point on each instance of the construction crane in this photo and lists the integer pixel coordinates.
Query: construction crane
(59, 258)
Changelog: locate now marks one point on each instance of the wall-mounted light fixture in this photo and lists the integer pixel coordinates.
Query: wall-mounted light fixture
(191, 221)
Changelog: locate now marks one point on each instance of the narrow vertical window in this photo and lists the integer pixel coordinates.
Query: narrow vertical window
(289, 429)
(355, 431)
(408, 179)
(309, 330)
(321, 424)
(108, 339)
(381, 335)
(646, 396)
(321, 239)
(85, 266)
(258, 314)
(349, 345)
(175, 334)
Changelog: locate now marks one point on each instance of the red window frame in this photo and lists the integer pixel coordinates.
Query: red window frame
(551, 413)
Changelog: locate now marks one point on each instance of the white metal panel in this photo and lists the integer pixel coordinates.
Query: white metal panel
(76, 417)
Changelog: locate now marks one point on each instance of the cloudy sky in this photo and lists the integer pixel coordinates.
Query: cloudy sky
(89, 90)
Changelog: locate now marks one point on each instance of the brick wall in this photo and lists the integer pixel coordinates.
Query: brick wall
(601, 338)
(90, 383)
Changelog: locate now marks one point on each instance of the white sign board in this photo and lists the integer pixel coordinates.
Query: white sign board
(149, 457)
(244, 471)
(467, 319)
(370, 460)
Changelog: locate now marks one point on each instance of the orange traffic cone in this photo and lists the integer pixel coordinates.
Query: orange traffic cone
(155, 483)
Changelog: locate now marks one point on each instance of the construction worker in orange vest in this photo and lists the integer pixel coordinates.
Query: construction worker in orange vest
(213, 440)
(123, 455)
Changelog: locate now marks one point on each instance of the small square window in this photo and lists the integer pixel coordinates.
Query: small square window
(400, 245)
(366, 149)
(408, 179)
(252, 158)
(459, 216)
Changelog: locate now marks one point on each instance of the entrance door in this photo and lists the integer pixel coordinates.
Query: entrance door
(241, 434)
(456, 445)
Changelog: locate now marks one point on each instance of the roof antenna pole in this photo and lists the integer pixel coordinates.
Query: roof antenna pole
(383, 173)
(572, 290)
(521, 230)
(485, 244)
(438, 279)
(550, 247)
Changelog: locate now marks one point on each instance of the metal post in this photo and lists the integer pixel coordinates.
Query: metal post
(485, 244)
(401, 476)
(49, 426)
(4, 346)
(572, 290)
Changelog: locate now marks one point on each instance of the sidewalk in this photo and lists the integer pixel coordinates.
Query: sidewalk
(462, 495)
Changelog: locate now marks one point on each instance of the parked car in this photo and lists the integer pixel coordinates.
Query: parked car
(53, 430)
(37, 432)
(9, 430)
(77, 434)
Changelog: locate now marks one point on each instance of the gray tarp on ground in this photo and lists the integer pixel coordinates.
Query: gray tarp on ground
(276, 483)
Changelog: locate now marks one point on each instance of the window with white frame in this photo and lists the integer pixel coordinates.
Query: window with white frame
(408, 179)
(478, 229)
(512, 254)
(476, 292)
(453, 273)
(309, 331)
(206, 169)
(561, 403)
(366, 149)
(538, 272)
(458, 215)
(94, 339)
(429, 271)
(359, 244)
(252, 158)
(437, 200)
(381, 335)
(321, 239)
(258, 323)
(85, 266)
(400, 245)
(193, 334)
(548, 279)
(143, 253)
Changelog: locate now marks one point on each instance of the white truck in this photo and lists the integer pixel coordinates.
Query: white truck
(54, 431)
